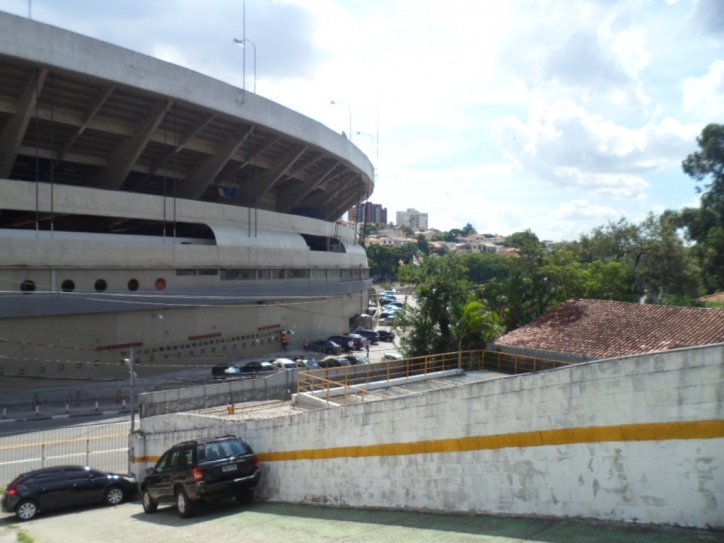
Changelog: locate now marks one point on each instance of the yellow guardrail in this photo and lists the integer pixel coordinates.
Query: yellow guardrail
(345, 383)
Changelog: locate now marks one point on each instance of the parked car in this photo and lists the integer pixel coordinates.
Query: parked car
(64, 486)
(325, 346)
(359, 340)
(387, 314)
(284, 364)
(385, 301)
(370, 335)
(391, 356)
(386, 335)
(256, 366)
(347, 343)
(354, 360)
(222, 371)
(329, 362)
(309, 363)
(391, 292)
(202, 470)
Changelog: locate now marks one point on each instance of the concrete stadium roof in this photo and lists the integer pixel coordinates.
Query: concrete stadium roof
(75, 110)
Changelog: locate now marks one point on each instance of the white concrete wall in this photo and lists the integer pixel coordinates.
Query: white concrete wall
(638, 439)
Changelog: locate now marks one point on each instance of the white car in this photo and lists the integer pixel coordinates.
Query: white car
(284, 364)
(392, 356)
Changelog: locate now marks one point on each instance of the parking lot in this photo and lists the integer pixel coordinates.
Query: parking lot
(276, 523)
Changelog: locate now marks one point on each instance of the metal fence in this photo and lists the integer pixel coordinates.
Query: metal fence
(102, 446)
(84, 398)
(347, 383)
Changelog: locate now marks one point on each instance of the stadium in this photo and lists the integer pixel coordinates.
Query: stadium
(147, 210)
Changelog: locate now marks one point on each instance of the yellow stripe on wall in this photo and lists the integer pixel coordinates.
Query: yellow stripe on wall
(662, 431)
(710, 429)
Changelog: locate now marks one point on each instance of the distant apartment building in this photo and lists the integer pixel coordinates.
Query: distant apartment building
(369, 213)
(413, 219)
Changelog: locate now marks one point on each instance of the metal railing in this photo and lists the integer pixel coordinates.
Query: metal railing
(346, 384)
(102, 446)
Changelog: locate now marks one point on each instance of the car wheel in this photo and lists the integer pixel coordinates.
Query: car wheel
(114, 496)
(149, 506)
(246, 497)
(26, 510)
(183, 504)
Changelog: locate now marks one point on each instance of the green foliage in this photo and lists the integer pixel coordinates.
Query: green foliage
(383, 261)
(445, 316)
(484, 267)
(423, 246)
(477, 326)
(705, 226)
(707, 167)
(653, 256)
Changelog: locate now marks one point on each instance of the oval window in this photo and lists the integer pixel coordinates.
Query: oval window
(67, 286)
(27, 286)
(133, 284)
(101, 285)
(160, 284)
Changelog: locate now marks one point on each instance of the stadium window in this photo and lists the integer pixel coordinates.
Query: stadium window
(67, 286)
(27, 286)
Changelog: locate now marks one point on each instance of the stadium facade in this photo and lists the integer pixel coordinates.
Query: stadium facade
(147, 209)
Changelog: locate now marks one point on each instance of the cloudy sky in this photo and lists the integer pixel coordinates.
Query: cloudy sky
(553, 115)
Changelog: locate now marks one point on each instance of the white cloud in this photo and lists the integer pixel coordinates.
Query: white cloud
(584, 49)
(573, 218)
(581, 209)
(563, 143)
(493, 113)
(704, 96)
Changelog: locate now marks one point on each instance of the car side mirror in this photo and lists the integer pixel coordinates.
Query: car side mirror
(149, 471)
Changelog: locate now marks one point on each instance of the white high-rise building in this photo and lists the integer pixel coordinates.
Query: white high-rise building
(413, 219)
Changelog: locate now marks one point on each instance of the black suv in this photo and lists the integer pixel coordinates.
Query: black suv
(370, 335)
(201, 470)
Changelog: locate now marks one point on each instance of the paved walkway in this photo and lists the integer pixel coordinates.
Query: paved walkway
(282, 523)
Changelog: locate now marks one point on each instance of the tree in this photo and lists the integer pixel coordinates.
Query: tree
(447, 315)
(705, 226)
(383, 261)
(657, 265)
(477, 326)
(707, 167)
(484, 267)
(468, 230)
(423, 246)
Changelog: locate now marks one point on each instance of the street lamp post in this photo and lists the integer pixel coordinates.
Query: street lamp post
(242, 43)
(349, 109)
(131, 363)
(374, 145)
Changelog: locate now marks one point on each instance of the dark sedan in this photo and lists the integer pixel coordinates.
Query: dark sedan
(370, 335)
(325, 346)
(386, 335)
(65, 486)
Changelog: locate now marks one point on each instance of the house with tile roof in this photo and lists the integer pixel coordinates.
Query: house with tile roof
(581, 330)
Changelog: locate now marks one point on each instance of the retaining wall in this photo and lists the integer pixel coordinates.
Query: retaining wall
(639, 439)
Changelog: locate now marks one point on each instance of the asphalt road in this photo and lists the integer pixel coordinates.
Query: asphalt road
(277, 523)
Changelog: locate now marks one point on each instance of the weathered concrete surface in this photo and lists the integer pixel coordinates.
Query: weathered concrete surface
(637, 440)
(282, 523)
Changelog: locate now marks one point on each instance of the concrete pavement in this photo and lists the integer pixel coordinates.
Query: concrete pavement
(282, 523)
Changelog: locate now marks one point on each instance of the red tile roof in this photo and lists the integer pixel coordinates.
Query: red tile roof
(596, 329)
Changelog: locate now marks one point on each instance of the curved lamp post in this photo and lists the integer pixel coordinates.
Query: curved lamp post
(242, 43)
